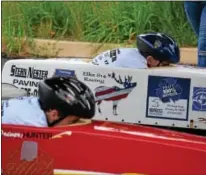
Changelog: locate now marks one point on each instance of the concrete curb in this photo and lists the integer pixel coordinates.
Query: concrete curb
(88, 50)
(54, 48)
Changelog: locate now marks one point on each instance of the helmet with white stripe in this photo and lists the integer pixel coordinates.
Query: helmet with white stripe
(161, 46)
(68, 96)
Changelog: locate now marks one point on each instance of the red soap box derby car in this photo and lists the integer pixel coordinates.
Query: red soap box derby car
(91, 147)
(106, 147)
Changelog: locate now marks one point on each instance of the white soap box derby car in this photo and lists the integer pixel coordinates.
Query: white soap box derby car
(170, 96)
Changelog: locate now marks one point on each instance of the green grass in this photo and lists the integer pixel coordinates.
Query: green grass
(106, 22)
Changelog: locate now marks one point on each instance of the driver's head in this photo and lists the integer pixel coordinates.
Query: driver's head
(65, 100)
(159, 49)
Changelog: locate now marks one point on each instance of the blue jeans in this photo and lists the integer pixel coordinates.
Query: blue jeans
(196, 14)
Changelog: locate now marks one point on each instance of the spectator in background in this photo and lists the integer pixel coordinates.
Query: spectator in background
(196, 14)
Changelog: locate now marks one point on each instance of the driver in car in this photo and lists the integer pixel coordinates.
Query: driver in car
(153, 50)
(61, 101)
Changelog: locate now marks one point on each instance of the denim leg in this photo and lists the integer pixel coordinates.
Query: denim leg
(193, 12)
(202, 39)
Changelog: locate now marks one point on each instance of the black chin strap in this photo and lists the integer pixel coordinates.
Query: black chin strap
(55, 122)
(158, 65)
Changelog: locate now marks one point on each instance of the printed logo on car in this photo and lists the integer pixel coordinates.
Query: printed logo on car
(115, 93)
(199, 99)
(64, 73)
(168, 98)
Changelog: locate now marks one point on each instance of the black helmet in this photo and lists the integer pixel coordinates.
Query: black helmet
(67, 95)
(161, 46)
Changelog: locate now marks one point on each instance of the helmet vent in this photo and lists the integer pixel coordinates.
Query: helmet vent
(77, 88)
(67, 95)
(73, 94)
(88, 104)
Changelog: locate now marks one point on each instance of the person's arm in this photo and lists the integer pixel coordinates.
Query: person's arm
(7, 113)
(23, 111)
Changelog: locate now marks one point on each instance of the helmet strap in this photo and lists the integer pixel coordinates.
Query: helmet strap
(158, 65)
(54, 122)
(60, 119)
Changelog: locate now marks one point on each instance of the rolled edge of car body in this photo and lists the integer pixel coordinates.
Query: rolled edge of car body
(68, 172)
(10, 91)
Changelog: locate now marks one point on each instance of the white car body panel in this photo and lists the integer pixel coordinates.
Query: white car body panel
(169, 96)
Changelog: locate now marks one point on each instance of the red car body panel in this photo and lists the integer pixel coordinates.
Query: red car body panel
(104, 147)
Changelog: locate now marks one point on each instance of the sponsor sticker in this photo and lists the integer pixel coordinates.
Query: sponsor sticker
(89, 76)
(199, 99)
(124, 86)
(28, 135)
(29, 72)
(64, 73)
(11, 134)
(27, 78)
(168, 98)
